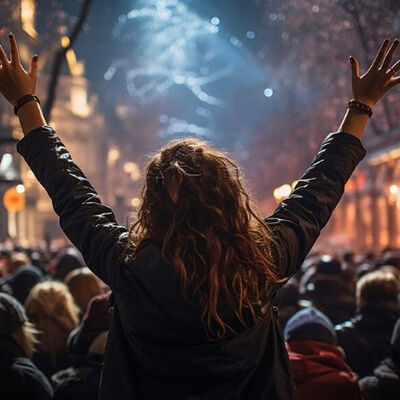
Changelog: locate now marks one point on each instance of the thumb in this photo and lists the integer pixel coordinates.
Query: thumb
(355, 68)
(33, 67)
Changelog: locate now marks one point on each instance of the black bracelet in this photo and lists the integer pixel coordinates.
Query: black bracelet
(361, 107)
(25, 99)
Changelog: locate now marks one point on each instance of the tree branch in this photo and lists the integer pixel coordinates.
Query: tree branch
(59, 59)
(351, 9)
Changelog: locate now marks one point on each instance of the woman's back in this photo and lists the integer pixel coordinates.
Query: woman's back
(166, 352)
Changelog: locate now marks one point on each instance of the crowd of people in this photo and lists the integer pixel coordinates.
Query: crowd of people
(54, 320)
(340, 318)
(198, 280)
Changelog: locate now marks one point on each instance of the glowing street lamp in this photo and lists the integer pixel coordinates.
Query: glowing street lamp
(393, 189)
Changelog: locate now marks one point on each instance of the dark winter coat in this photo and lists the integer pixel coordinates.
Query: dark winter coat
(80, 381)
(49, 364)
(19, 377)
(157, 346)
(384, 384)
(366, 337)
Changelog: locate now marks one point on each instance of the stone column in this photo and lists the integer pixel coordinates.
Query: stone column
(391, 210)
(375, 221)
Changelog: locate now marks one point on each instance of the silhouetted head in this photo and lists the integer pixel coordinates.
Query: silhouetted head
(14, 324)
(17, 260)
(67, 261)
(195, 206)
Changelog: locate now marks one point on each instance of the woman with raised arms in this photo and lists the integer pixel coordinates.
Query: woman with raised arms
(194, 278)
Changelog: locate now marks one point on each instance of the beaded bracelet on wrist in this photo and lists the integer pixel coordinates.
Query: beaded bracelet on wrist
(360, 106)
(25, 99)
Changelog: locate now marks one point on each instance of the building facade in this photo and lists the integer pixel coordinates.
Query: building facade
(368, 216)
(75, 116)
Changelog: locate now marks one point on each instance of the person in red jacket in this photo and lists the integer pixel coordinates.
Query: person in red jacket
(319, 368)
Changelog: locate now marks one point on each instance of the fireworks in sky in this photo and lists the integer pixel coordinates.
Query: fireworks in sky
(174, 46)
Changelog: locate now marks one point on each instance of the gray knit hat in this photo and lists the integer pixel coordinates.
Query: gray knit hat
(310, 324)
(12, 315)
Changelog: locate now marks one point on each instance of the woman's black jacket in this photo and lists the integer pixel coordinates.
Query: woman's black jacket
(157, 347)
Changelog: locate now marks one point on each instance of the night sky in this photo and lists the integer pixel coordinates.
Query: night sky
(265, 79)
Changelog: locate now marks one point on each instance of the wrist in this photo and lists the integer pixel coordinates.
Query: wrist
(361, 107)
(30, 116)
(354, 122)
(369, 102)
(21, 101)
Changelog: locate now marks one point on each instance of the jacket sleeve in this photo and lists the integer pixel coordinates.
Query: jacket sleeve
(298, 220)
(90, 225)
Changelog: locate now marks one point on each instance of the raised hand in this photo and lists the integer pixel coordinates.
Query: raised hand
(15, 82)
(370, 87)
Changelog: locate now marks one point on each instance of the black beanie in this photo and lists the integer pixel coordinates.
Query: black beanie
(12, 315)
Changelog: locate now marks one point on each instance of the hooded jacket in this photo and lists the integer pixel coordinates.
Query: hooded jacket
(22, 281)
(157, 346)
(320, 372)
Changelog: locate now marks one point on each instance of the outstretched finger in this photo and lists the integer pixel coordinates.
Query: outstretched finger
(394, 68)
(33, 67)
(394, 82)
(389, 55)
(355, 67)
(3, 56)
(381, 53)
(14, 56)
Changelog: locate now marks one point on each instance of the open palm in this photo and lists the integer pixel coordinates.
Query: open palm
(15, 82)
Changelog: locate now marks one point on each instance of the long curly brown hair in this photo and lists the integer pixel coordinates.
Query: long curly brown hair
(195, 205)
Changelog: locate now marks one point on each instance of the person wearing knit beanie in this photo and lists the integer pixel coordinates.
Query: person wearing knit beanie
(19, 377)
(310, 324)
(319, 368)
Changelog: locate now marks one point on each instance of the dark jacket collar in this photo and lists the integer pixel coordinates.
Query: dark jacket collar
(377, 317)
(9, 348)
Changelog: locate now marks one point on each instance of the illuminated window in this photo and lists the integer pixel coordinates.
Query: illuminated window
(113, 155)
(76, 68)
(79, 103)
(28, 11)
(132, 169)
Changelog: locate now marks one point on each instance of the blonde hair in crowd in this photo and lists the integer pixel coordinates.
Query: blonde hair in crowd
(376, 287)
(51, 308)
(83, 285)
(26, 338)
